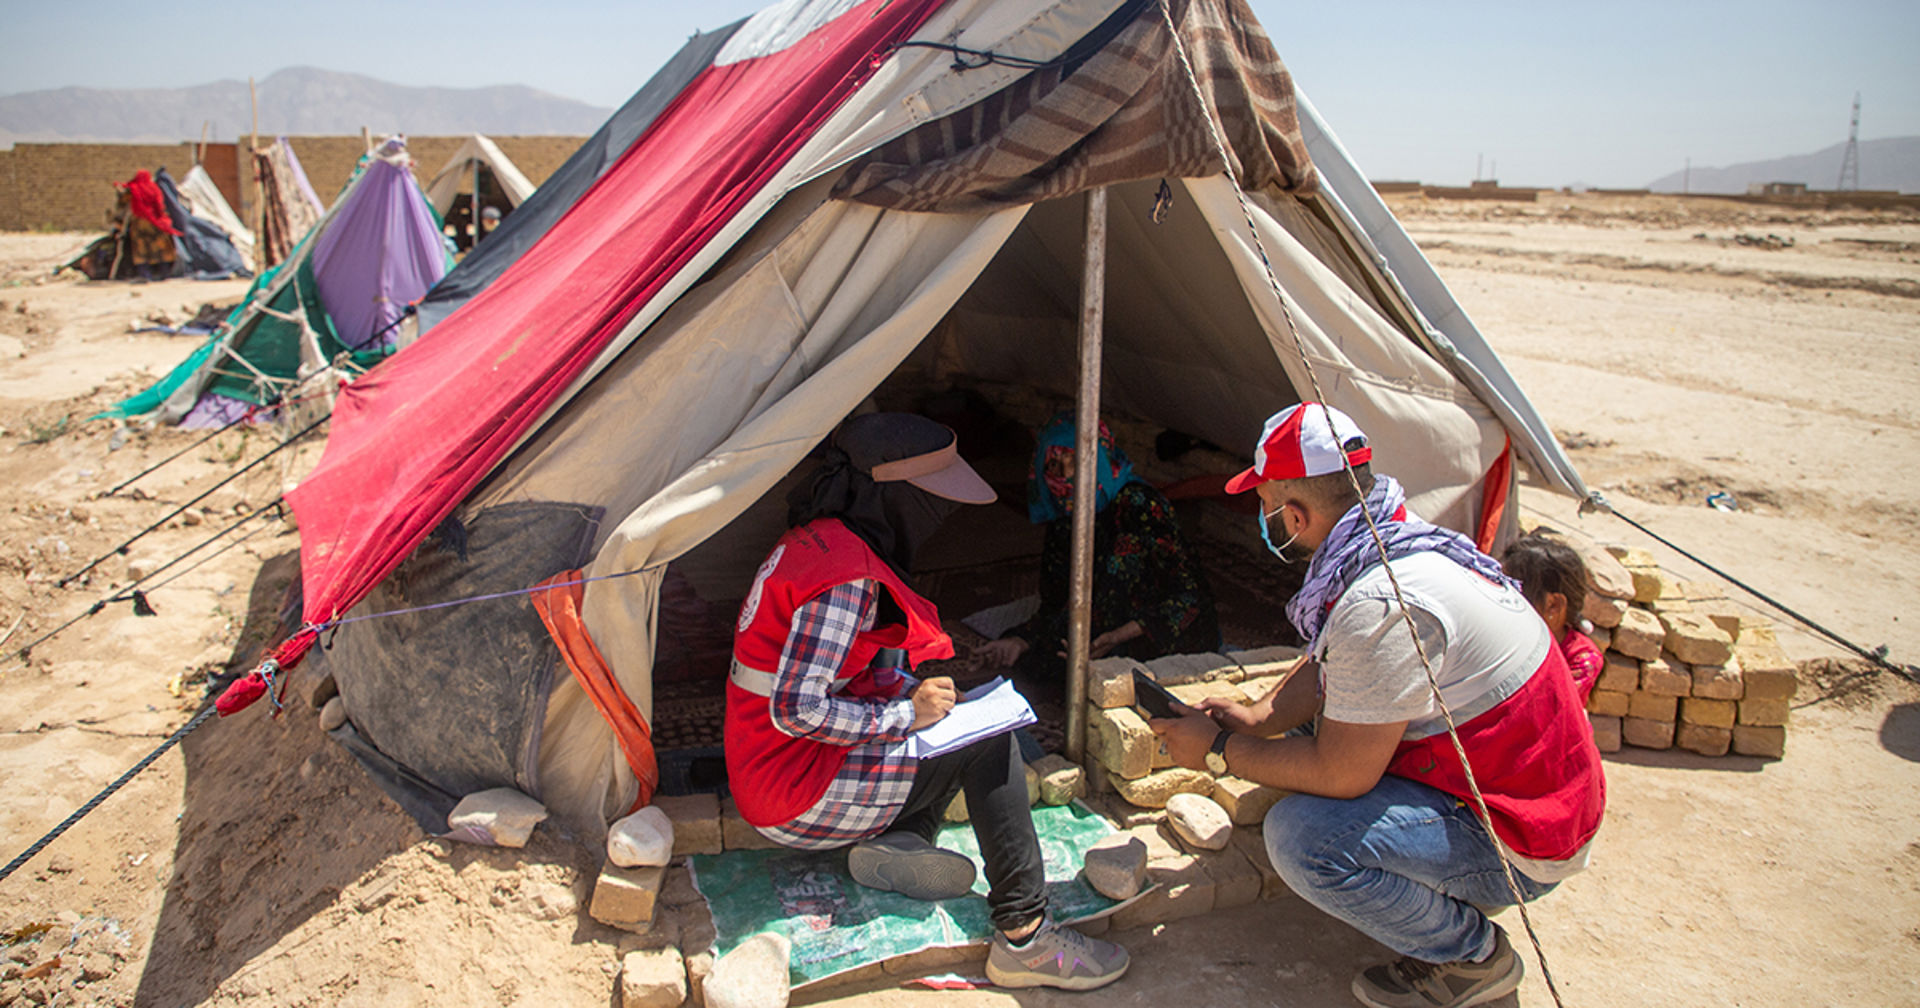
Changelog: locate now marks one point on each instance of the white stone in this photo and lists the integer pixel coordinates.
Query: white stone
(643, 839)
(1200, 821)
(754, 975)
(498, 817)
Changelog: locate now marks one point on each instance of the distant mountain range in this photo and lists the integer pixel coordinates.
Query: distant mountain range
(1892, 163)
(296, 101)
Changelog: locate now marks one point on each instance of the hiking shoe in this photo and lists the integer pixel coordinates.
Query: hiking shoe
(1413, 983)
(1055, 956)
(902, 862)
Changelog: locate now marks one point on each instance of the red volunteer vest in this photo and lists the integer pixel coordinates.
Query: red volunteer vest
(1534, 758)
(775, 776)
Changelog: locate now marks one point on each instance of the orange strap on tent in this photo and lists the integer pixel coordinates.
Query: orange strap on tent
(1493, 498)
(559, 609)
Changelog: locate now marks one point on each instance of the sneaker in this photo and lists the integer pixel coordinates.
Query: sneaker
(1056, 956)
(902, 862)
(1413, 983)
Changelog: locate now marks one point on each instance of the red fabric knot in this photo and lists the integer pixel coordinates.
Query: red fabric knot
(252, 686)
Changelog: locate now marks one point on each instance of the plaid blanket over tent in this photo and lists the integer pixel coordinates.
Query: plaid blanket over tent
(1126, 112)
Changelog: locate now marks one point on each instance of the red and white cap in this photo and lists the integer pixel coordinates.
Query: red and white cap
(1301, 441)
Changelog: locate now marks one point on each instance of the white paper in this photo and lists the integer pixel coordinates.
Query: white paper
(983, 712)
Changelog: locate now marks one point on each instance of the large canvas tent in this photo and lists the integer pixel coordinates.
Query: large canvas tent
(839, 199)
(325, 313)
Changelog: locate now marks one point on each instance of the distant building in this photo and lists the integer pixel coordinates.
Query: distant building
(1776, 188)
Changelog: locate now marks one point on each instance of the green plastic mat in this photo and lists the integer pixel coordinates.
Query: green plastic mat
(836, 924)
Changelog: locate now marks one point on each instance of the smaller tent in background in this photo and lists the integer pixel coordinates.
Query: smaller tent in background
(203, 249)
(289, 207)
(204, 200)
(155, 237)
(478, 166)
(329, 310)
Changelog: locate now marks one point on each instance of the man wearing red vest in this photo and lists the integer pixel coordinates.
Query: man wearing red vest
(819, 705)
(1383, 832)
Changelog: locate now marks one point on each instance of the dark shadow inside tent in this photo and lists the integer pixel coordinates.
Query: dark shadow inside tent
(1000, 364)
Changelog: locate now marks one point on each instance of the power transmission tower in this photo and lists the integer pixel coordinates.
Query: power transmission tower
(1850, 162)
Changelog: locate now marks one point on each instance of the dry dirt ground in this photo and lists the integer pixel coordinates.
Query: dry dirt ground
(1675, 346)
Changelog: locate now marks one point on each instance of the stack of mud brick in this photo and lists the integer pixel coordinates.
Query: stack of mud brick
(1685, 667)
(1132, 778)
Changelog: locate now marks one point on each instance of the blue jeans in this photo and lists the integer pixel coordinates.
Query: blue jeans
(1406, 864)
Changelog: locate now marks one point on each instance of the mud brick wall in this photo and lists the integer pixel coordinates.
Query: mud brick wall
(69, 186)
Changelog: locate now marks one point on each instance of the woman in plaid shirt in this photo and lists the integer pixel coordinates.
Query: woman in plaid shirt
(819, 706)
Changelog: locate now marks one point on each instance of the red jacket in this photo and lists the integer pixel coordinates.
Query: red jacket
(774, 776)
(1534, 759)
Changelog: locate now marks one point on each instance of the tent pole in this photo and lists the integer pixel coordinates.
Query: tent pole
(1085, 455)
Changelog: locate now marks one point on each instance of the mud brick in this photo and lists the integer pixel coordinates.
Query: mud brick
(1250, 842)
(1639, 635)
(1033, 785)
(696, 822)
(1099, 778)
(1110, 682)
(1665, 676)
(956, 809)
(1646, 734)
(625, 897)
(1178, 670)
(1703, 739)
(1695, 639)
(653, 978)
(1767, 672)
(1246, 802)
(1193, 693)
(1631, 556)
(1120, 740)
(699, 968)
(1260, 687)
(1608, 703)
(1601, 637)
(1603, 611)
(1606, 576)
(1260, 663)
(1767, 741)
(1162, 759)
(926, 962)
(1724, 612)
(1763, 712)
(1619, 673)
(1606, 732)
(1719, 682)
(1153, 790)
(1652, 706)
(1236, 882)
(1060, 781)
(1180, 888)
(1756, 630)
(736, 833)
(1707, 713)
(1651, 583)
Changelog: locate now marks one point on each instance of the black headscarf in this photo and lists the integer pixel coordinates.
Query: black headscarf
(894, 518)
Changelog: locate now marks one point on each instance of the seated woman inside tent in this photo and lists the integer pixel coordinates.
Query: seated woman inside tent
(819, 706)
(1150, 597)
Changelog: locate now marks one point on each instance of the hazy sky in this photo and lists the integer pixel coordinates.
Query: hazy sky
(1613, 94)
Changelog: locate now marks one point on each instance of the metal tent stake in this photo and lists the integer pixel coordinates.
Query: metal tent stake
(1086, 453)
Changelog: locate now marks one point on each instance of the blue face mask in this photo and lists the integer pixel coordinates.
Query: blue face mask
(1265, 520)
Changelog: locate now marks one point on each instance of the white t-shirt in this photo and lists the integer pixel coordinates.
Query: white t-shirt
(1482, 639)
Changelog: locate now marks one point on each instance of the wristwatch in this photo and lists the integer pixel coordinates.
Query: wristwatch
(1217, 753)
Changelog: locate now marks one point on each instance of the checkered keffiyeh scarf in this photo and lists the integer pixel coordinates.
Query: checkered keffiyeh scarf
(1350, 550)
